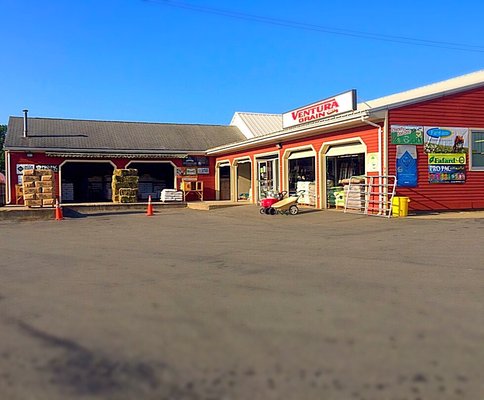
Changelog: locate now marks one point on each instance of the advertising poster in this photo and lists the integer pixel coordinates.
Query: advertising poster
(407, 173)
(446, 140)
(447, 168)
(405, 134)
(195, 161)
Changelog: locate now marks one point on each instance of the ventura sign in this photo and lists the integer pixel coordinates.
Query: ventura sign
(325, 108)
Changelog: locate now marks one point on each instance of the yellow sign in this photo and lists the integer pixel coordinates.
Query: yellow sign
(447, 158)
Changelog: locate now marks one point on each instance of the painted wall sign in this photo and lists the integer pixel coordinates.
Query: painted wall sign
(446, 140)
(447, 168)
(447, 159)
(321, 109)
(407, 172)
(203, 171)
(54, 168)
(195, 161)
(373, 162)
(447, 173)
(22, 167)
(405, 134)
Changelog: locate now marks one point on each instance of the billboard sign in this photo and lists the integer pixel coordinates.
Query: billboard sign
(321, 109)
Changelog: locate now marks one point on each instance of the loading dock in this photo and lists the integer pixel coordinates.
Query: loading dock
(86, 181)
(154, 176)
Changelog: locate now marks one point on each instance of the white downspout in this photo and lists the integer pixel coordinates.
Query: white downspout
(8, 197)
(380, 155)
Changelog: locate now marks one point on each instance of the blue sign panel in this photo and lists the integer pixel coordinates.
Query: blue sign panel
(407, 174)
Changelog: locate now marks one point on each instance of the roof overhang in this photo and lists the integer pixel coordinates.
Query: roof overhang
(348, 120)
(107, 153)
(115, 155)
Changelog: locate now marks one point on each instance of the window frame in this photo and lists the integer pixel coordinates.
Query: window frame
(471, 143)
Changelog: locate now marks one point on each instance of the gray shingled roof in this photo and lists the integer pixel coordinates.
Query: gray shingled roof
(86, 135)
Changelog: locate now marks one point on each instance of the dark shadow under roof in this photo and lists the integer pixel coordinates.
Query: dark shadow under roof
(88, 135)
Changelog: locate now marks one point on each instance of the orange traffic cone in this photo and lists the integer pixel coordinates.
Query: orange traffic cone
(149, 211)
(58, 211)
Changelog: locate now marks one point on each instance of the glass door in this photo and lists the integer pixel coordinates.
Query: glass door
(268, 177)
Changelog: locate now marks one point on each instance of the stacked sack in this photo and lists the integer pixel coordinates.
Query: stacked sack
(125, 185)
(38, 188)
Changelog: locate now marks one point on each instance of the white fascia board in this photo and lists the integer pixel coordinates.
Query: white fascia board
(106, 151)
(355, 117)
(420, 99)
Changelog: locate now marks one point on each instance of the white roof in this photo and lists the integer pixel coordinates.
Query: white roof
(258, 128)
(257, 124)
(458, 84)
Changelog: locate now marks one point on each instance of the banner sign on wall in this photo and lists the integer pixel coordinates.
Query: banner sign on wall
(405, 134)
(447, 168)
(446, 140)
(446, 159)
(407, 173)
(195, 161)
(321, 109)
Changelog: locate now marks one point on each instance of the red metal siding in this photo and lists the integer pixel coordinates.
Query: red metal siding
(460, 110)
(41, 158)
(368, 134)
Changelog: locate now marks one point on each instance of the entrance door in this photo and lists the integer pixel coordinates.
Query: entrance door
(225, 183)
(268, 177)
(244, 180)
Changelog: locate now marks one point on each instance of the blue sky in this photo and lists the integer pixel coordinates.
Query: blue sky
(139, 60)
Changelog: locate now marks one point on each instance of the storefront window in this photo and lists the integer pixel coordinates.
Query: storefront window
(301, 170)
(477, 150)
(343, 167)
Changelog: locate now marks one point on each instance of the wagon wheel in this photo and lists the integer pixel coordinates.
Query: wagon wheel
(293, 210)
(272, 211)
(262, 210)
(267, 210)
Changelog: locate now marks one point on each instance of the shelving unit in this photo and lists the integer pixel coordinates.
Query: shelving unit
(372, 197)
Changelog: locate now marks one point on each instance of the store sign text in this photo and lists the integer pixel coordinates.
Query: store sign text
(449, 158)
(321, 109)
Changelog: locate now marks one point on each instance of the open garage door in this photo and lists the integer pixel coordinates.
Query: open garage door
(86, 182)
(153, 178)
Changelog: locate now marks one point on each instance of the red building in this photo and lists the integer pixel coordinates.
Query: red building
(437, 131)
(431, 138)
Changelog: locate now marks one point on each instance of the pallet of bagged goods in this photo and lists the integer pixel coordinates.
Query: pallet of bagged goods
(171, 195)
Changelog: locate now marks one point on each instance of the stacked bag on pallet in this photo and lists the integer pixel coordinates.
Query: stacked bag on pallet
(38, 188)
(125, 185)
(171, 195)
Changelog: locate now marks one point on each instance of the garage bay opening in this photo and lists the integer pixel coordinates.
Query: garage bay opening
(86, 182)
(153, 178)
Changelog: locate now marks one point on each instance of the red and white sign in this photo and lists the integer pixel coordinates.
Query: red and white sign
(321, 109)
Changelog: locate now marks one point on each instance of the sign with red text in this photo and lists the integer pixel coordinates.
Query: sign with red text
(329, 107)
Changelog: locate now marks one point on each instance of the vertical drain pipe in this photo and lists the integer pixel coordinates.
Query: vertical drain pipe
(380, 181)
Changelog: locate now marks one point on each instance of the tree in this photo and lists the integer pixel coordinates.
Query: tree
(3, 132)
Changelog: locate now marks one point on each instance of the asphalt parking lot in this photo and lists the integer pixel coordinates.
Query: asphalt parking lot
(231, 304)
